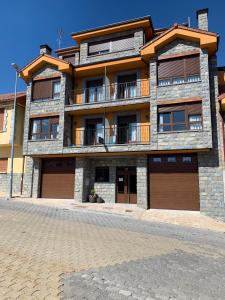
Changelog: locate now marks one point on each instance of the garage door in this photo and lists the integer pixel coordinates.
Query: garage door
(174, 182)
(58, 177)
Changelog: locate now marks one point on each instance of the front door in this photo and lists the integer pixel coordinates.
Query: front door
(126, 185)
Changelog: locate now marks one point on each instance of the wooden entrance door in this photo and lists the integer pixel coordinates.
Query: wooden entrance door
(126, 185)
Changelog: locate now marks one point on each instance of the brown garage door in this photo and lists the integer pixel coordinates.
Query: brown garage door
(58, 177)
(174, 182)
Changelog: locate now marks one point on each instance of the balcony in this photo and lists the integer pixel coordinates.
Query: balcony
(110, 93)
(129, 135)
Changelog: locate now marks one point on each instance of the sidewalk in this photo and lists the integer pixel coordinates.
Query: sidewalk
(182, 218)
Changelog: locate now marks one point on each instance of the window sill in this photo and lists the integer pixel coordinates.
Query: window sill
(179, 131)
(43, 140)
(175, 84)
(44, 100)
(113, 52)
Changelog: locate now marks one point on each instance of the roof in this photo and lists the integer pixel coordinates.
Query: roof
(145, 22)
(67, 50)
(6, 98)
(42, 59)
(206, 39)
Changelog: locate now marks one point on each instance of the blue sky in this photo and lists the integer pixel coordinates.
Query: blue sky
(25, 24)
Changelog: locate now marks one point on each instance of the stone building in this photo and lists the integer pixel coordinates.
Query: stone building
(131, 112)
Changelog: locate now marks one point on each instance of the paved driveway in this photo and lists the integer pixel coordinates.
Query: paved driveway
(50, 253)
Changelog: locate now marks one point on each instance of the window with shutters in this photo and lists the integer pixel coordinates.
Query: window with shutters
(3, 165)
(2, 114)
(111, 45)
(46, 89)
(180, 117)
(179, 70)
(44, 128)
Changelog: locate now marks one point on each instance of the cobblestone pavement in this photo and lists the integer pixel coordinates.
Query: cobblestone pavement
(50, 253)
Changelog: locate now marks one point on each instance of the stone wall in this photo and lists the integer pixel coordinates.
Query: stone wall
(4, 183)
(42, 107)
(32, 177)
(211, 164)
(85, 174)
(189, 139)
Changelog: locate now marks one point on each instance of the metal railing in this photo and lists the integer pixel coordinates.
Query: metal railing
(111, 92)
(115, 135)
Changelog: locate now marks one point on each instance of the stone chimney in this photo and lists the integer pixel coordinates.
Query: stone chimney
(202, 17)
(45, 49)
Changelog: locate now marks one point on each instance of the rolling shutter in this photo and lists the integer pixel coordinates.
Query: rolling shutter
(171, 68)
(194, 108)
(179, 67)
(121, 44)
(70, 59)
(2, 112)
(42, 89)
(98, 47)
(192, 65)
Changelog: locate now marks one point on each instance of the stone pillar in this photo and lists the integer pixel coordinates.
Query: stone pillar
(142, 182)
(153, 104)
(82, 179)
(211, 164)
(32, 178)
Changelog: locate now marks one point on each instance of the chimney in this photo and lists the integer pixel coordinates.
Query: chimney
(45, 49)
(202, 17)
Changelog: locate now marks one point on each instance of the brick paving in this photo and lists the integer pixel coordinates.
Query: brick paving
(52, 253)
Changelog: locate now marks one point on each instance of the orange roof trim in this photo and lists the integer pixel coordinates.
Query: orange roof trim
(141, 23)
(206, 39)
(40, 61)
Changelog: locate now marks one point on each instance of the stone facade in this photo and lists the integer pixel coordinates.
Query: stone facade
(207, 142)
(85, 178)
(211, 164)
(181, 140)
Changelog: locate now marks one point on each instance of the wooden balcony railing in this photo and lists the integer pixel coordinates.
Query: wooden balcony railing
(133, 134)
(112, 92)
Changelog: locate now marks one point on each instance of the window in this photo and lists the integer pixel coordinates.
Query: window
(195, 122)
(3, 165)
(94, 131)
(46, 89)
(102, 174)
(186, 159)
(94, 91)
(180, 117)
(179, 70)
(2, 113)
(172, 121)
(44, 128)
(56, 87)
(111, 45)
(157, 159)
(171, 159)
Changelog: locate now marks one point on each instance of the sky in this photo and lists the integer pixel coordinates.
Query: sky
(26, 24)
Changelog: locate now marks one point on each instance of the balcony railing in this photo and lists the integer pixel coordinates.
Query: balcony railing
(112, 92)
(133, 134)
